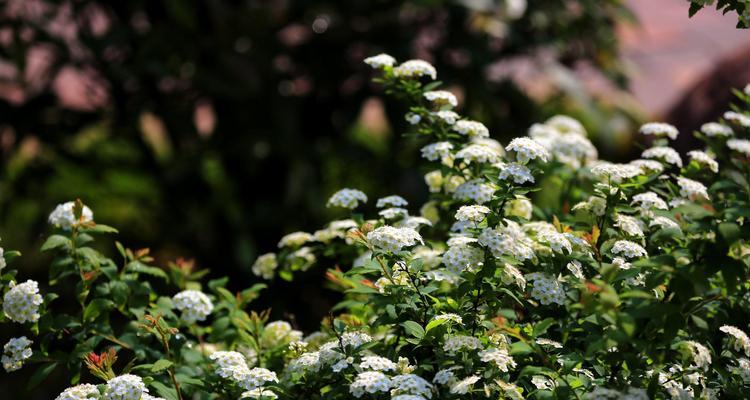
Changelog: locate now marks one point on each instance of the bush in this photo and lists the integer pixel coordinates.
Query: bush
(619, 281)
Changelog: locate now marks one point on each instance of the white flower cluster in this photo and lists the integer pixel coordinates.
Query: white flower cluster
(232, 365)
(477, 153)
(441, 98)
(740, 340)
(377, 363)
(265, 266)
(615, 172)
(507, 240)
(703, 159)
(380, 61)
(472, 129)
(125, 387)
(519, 173)
(456, 343)
(666, 154)
(659, 129)
(391, 201)
(739, 145)
(715, 129)
(527, 149)
(84, 391)
(628, 249)
(392, 239)
(62, 216)
(15, 352)
(194, 305)
(500, 357)
(21, 303)
(475, 190)
(546, 288)
(692, 190)
(474, 213)
(737, 118)
(462, 256)
(415, 69)
(295, 239)
(347, 198)
(369, 382)
(565, 139)
(278, 333)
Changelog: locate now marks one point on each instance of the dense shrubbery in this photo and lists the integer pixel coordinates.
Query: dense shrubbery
(632, 284)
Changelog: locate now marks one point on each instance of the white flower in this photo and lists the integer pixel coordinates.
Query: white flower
(519, 173)
(510, 274)
(566, 124)
(456, 343)
(15, 352)
(659, 129)
(557, 241)
(521, 208)
(615, 172)
(256, 378)
(664, 222)
(444, 376)
(527, 149)
(388, 238)
(440, 98)
(463, 386)
(2, 259)
(394, 213)
(649, 201)
(743, 369)
(713, 129)
(415, 69)
(21, 303)
(741, 145)
(547, 289)
(461, 257)
(548, 342)
(740, 338)
(278, 333)
(666, 154)
(62, 216)
(229, 364)
(621, 263)
(377, 363)
(648, 166)
(511, 391)
(380, 61)
(508, 240)
(391, 201)
(125, 387)
(701, 354)
(447, 116)
(194, 305)
(630, 225)
(355, 339)
(594, 205)
(740, 119)
(347, 198)
(413, 118)
(628, 249)
(475, 190)
(259, 393)
(499, 357)
(342, 364)
(576, 269)
(475, 213)
(451, 317)
(295, 239)
(472, 129)
(85, 391)
(410, 384)
(369, 382)
(692, 190)
(478, 153)
(265, 265)
(407, 397)
(703, 159)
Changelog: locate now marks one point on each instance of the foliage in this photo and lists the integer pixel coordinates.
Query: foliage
(741, 7)
(637, 291)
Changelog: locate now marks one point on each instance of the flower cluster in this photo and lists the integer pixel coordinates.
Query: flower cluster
(63, 215)
(21, 303)
(194, 305)
(15, 352)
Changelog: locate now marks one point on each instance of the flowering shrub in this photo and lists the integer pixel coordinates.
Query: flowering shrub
(634, 286)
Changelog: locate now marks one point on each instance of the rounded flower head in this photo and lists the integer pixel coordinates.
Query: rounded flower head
(410, 384)
(456, 343)
(441, 98)
(447, 116)
(377, 363)
(391, 201)
(15, 352)
(737, 118)
(369, 382)
(518, 173)
(478, 153)
(715, 129)
(437, 151)
(347, 198)
(475, 190)
(739, 145)
(194, 305)
(566, 124)
(380, 61)
(474, 213)
(471, 128)
(547, 289)
(666, 154)
(64, 217)
(265, 265)
(615, 172)
(527, 149)
(739, 337)
(295, 239)
(463, 386)
(125, 387)
(278, 333)
(228, 363)
(628, 249)
(21, 303)
(692, 190)
(659, 129)
(500, 357)
(649, 201)
(79, 392)
(462, 257)
(704, 160)
(388, 238)
(415, 69)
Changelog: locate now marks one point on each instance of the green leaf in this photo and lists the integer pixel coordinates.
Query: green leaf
(541, 327)
(414, 329)
(434, 324)
(139, 267)
(161, 365)
(40, 375)
(95, 309)
(164, 391)
(55, 241)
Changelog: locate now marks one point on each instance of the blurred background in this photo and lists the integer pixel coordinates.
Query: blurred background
(207, 130)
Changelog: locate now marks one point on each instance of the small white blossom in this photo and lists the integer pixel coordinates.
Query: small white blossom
(478, 153)
(394, 213)
(666, 154)
(21, 303)
(615, 172)
(475, 190)
(546, 289)
(692, 190)
(391, 201)
(461, 257)
(701, 355)
(472, 129)
(500, 357)
(507, 240)
(194, 305)
(444, 376)
(441, 98)
(519, 173)
(410, 384)
(413, 118)
(15, 352)
(648, 166)
(740, 339)
(703, 159)
(278, 333)
(628, 249)
(714, 129)
(63, 216)
(295, 239)
(85, 391)
(475, 213)
(576, 269)
(630, 225)
(347, 198)
(549, 343)
(740, 145)
(415, 69)
(649, 201)
(664, 222)
(659, 129)
(380, 61)
(388, 238)
(737, 118)
(377, 363)
(456, 343)
(527, 149)
(265, 266)
(369, 382)
(125, 387)
(464, 385)
(447, 116)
